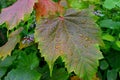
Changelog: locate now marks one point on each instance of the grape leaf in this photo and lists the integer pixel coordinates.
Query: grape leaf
(28, 61)
(46, 7)
(23, 74)
(12, 41)
(7, 61)
(15, 13)
(74, 37)
(109, 4)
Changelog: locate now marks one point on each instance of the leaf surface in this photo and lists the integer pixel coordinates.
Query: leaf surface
(13, 39)
(58, 74)
(23, 74)
(28, 61)
(110, 4)
(46, 8)
(15, 13)
(74, 37)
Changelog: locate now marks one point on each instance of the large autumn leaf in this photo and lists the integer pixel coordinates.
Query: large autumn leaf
(13, 39)
(15, 13)
(75, 37)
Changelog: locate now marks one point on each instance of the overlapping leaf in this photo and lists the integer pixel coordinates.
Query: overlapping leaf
(46, 7)
(109, 4)
(74, 37)
(15, 13)
(23, 74)
(12, 41)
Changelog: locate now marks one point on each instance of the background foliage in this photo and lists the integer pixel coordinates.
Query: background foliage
(28, 61)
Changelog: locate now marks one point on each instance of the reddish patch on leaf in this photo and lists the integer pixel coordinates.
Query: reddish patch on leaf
(47, 7)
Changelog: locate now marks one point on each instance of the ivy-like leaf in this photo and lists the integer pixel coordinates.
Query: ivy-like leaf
(13, 39)
(23, 74)
(109, 4)
(28, 61)
(46, 7)
(15, 13)
(74, 37)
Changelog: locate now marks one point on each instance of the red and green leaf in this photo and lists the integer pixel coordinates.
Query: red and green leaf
(15, 13)
(74, 37)
(46, 7)
(13, 39)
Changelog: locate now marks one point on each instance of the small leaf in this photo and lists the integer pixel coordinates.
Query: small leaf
(46, 8)
(23, 74)
(103, 65)
(75, 37)
(13, 39)
(108, 37)
(118, 43)
(111, 75)
(15, 13)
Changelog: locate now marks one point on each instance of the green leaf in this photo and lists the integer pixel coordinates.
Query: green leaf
(111, 75)
(28, 61)
(114, 60)
(74, 37)
(58, 74)
(23, 74)
(108, 37)
(78, 4)
(4, 64)
(109, 23)
(2, 72)
(109, 4)
(13, 39)
(104, 65)
(7, 61)
(118, 43)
